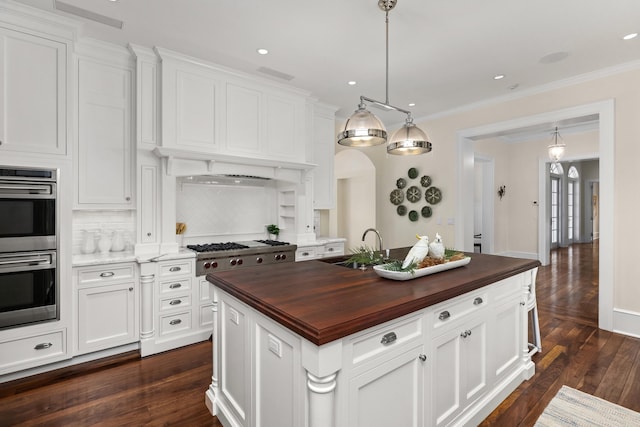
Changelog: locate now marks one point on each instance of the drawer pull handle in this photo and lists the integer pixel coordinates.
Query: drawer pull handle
(43, 346)
(174, 269)
(477, 301)
(107, 274)
(444, 315)
(423, 357)
(175, 285)
(175, 302)
(330, 249)
(175, 322)
(305, 253)
(388, 338)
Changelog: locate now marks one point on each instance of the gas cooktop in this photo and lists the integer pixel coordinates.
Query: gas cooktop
(212, 257)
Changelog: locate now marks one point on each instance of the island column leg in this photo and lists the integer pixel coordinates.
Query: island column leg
(211, 395)
(322, 364)
(321, 399)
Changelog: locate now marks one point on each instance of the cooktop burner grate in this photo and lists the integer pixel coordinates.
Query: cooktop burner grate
(273, 242)
(212, 247)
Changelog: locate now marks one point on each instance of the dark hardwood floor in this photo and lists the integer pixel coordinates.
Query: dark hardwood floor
(168, 388)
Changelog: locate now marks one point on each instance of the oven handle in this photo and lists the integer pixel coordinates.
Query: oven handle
(28, 262)
(28, 189)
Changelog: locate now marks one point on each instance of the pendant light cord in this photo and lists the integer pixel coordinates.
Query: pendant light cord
(386, 16)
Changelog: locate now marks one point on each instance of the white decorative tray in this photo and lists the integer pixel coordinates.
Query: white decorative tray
(407, 275)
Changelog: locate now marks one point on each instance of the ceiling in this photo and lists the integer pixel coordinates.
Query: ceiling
(443, 54)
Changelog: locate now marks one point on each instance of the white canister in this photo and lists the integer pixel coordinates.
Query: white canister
(88, 242)
(117, 241)
(104, 244)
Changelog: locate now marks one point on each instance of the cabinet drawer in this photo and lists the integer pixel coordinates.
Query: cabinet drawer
(385, 339)
(178, 285)
(178, 301)
(450, 313)
(333, 249)
(32, 351)
(105, 274)
(175, 269)
(507, 288)
(175, 323)
(303, 254)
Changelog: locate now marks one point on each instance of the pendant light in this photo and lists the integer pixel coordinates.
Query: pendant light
(556, 150)
(364, 129)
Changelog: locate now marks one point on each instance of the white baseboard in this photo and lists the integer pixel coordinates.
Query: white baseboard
(626, 322)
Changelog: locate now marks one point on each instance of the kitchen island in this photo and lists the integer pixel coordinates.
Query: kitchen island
(317, 344)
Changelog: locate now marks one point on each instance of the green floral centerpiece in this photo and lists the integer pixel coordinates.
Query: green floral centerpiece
(364, 256)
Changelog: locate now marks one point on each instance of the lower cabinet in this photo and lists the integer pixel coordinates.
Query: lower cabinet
(178, 306)
(391, 394)
(106, 306)
(34, 350)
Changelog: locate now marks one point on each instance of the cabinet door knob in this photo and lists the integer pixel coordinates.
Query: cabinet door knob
(148, 234)
(477, 301)
(42, 346)
(131, 289)
(388, 338)
(444, 315)
(128, 199)
(423, 357)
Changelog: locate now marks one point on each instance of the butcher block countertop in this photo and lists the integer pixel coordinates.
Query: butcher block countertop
(324, 302)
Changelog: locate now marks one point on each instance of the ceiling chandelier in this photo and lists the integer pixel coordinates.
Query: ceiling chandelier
(364, 129)
(556, 150)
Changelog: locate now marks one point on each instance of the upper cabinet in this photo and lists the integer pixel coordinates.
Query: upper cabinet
(209, 109)
(323, 150)
(33, 92)
(104, 156)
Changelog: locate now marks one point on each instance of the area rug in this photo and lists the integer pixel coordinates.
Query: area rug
(570, 407)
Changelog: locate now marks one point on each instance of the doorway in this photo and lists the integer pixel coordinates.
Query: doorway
(604, 111)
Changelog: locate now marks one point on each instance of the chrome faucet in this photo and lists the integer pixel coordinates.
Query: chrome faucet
(377, 233)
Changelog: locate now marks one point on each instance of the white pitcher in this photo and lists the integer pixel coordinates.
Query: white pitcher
(117, 241)
(88, 242)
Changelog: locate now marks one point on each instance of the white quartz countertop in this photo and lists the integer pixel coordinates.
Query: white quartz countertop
(80, 260)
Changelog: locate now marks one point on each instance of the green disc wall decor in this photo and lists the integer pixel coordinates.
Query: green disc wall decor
(412, 190)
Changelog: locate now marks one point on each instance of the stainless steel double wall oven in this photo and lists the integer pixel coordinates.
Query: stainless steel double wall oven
(29, 279)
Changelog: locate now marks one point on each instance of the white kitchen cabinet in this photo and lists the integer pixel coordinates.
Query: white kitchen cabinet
(322, 249)
(104, 153)
(373, 402)
(191, 104)
(323, 150)
(180, 313)
(459, 369)
(106, 306)
(209, 109)
(33, 350)
(33, 92)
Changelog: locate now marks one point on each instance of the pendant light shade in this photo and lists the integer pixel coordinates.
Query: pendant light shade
(409, 140)
(363, 129)
(556, 150)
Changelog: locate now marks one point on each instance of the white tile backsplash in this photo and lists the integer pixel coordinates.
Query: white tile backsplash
(103, 221)
(225, 212)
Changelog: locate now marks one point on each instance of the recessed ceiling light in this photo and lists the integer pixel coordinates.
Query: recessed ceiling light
(412, 104)
(262, 51)
(351, 82)
(498, 77)
(630, 36)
